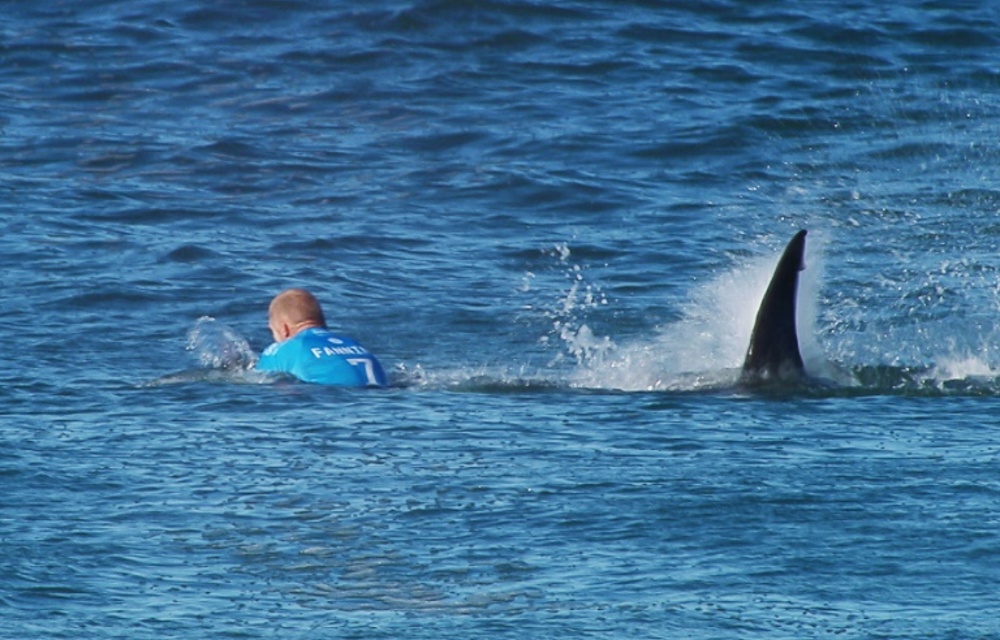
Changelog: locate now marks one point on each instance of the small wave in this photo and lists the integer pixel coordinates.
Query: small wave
(475, 379)
(212, 376)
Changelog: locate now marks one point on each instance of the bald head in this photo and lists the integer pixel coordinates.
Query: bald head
(292, 311)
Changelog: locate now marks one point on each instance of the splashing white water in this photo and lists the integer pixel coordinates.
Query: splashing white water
(961, 367)
(218, 346)
(706, 347)
(574, 303)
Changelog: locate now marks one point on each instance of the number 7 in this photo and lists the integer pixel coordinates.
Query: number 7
(369, 368)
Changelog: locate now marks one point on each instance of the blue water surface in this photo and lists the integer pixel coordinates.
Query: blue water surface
(553, 223)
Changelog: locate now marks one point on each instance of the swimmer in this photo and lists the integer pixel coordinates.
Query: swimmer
(306, 349)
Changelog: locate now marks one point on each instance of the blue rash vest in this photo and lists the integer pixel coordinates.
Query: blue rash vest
(321, 356)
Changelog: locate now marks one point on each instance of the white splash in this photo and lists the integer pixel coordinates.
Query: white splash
(705, 348)
(962, 367)
(218, 346)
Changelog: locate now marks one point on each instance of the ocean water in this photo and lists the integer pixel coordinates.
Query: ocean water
(553, 222)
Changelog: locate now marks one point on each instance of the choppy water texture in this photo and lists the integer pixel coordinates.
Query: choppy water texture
(552, 222)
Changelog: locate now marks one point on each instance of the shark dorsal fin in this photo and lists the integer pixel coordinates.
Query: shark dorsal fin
(773, 354)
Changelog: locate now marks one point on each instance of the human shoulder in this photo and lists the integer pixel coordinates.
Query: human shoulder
(272, 348)
(326, 335)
